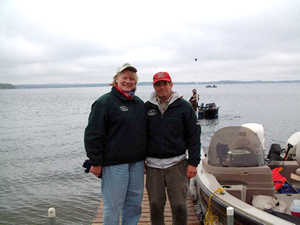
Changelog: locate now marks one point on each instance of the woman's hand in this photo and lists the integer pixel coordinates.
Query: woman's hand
(96, 170)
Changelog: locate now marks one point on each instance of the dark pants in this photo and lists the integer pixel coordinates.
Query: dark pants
(174, 181)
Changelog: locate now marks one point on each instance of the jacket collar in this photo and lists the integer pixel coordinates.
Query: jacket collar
(153, 98)
(118, 94)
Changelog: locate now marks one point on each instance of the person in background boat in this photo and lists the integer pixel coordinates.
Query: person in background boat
(172, 129)
(115, 143)
(194, 100)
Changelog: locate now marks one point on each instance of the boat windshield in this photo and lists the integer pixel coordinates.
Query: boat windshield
(235, 146)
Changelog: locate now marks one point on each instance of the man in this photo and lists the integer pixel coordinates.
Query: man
(172, 129)
(194, 100)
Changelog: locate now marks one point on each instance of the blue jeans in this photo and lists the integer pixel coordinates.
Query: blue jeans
(122, 192)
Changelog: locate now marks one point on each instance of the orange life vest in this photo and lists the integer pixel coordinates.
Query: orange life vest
(278, 179)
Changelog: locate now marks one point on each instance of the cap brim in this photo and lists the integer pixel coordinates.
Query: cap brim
(131, 68)
(163, 79)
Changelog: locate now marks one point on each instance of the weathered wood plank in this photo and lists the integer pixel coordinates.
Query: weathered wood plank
(145, 217)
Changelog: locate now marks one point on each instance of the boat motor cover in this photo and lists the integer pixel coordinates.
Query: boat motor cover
(275, 153)
(297, 147)
(259, 130)
(235, 146)
(292, 143)
(294, 138)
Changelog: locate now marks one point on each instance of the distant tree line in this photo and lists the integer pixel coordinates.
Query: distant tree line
(220, 82)
(7, 86)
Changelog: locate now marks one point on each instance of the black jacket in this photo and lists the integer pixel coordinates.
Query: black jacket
(173, 132)
(116, 131)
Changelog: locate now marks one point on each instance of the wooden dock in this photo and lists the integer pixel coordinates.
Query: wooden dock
(145, 217)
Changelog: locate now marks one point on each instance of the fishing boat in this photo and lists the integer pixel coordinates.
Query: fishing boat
(208, 111)
(234, 173)
(211, 86)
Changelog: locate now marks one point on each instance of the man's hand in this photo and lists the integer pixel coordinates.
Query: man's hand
(96, 170)
(191, 171)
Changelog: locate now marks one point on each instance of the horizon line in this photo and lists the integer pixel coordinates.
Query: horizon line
(146, 82)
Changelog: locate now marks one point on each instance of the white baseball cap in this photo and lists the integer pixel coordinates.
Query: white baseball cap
(126, 66)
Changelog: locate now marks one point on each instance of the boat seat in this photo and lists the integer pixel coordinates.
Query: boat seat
(255, 180)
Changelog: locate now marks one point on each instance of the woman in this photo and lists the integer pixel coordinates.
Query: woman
(115, 142)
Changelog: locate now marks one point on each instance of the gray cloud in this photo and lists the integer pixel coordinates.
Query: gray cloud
(265, 46)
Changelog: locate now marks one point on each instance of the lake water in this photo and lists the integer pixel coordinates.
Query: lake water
(41, 142)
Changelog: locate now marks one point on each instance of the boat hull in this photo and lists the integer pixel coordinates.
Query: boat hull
(244, 213)
(219, 209)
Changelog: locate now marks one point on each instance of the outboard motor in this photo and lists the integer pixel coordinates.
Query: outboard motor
(291, 147)
(296, 175)
(275, 152)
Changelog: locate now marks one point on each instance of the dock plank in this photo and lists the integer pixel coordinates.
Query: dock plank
(145, 217)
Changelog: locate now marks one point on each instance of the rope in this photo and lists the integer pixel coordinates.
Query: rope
(210, 218)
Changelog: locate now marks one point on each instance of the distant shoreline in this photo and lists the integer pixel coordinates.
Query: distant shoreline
(7, 86)
(221, 82)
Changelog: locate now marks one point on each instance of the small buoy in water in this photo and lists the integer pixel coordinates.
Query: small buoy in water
(51, 213)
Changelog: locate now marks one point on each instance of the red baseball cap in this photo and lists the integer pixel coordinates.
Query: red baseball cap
(161, 76)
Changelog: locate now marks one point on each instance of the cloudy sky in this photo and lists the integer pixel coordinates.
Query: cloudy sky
(85, 41)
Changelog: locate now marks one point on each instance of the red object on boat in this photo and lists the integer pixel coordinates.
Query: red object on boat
(278, 179)
(295, 214)
(295, 207)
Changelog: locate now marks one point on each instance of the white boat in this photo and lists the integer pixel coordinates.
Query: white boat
(234, 173)
(211, 86)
